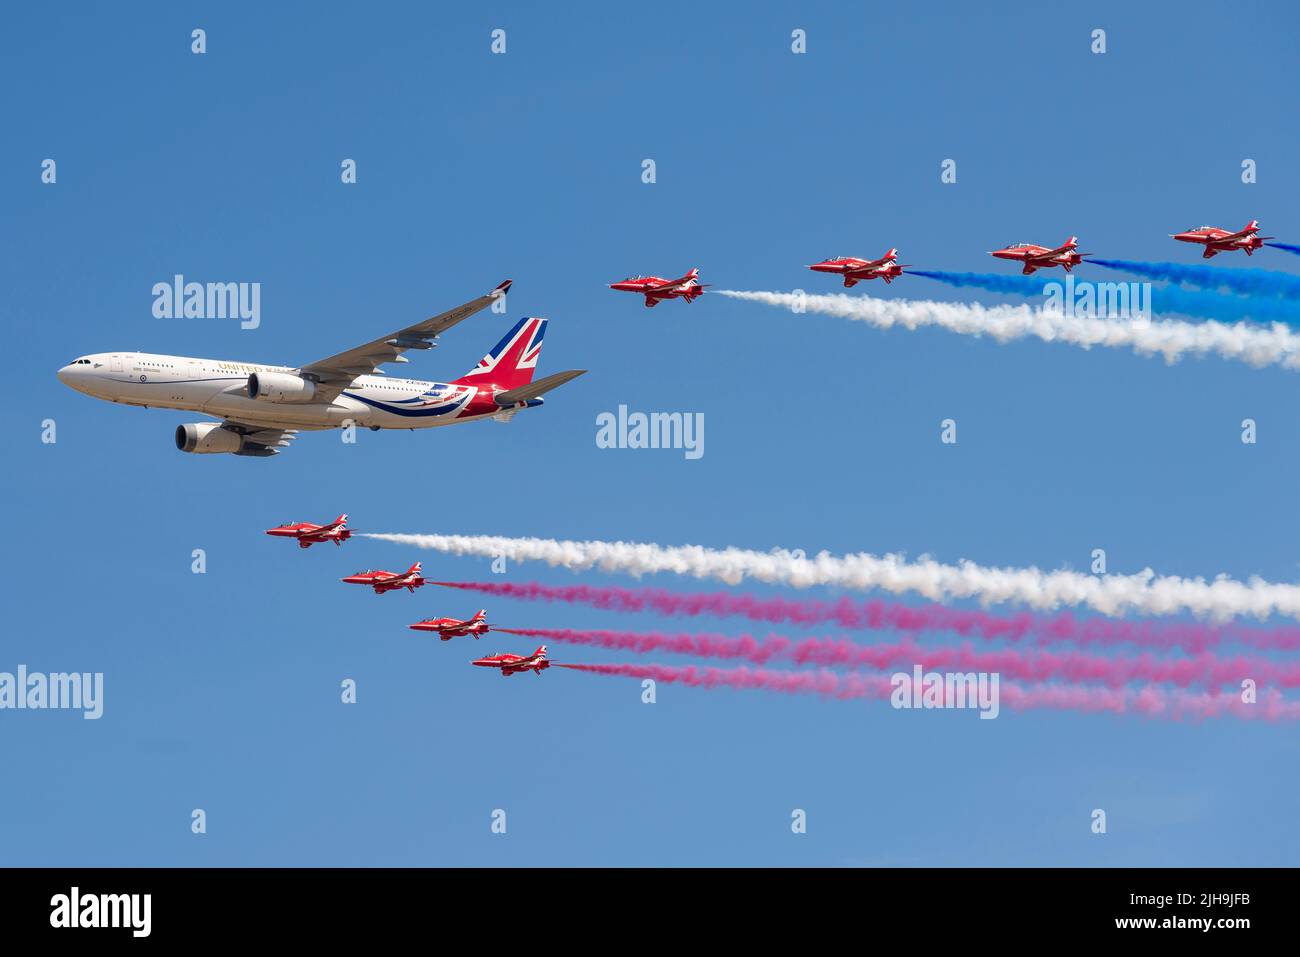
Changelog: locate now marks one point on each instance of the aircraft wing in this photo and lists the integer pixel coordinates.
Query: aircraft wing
(337, 372)
(1065, 248)
(1239, 234)
(266, 440)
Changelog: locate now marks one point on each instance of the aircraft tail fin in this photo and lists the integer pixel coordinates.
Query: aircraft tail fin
(511, 361)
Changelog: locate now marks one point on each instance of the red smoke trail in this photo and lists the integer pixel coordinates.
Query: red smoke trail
(1150, 701)
(893, 616)
(1203, 669)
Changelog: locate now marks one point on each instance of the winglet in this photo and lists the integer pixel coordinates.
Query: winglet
(502, 288)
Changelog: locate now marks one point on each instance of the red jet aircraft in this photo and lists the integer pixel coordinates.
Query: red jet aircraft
(654, 288)
(509, 664)
(448, 628)
(855, 270)
(1216, 240)
(383, 581)
(309, 534)
(1037, 257)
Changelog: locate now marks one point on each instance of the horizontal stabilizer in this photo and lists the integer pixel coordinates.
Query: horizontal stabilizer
(533, 389)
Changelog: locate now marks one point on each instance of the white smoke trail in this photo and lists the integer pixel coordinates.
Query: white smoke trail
(1112, 595)
(1253, 344)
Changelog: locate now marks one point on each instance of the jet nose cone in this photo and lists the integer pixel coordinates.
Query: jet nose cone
(65, 375)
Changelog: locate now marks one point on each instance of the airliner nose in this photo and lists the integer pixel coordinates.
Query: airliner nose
(65, 375)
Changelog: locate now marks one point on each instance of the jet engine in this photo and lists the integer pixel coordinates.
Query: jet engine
(203, 437)
(280, 387)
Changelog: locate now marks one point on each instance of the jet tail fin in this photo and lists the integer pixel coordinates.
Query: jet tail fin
(512, 360)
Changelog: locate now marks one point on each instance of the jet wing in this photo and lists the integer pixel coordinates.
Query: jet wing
(264, 440)
(1239, 234)
(1065, 248)
(337, 372)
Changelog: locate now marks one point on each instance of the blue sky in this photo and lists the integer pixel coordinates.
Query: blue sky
(222, 690)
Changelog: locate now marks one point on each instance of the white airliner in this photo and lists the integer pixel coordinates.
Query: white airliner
(263, 407)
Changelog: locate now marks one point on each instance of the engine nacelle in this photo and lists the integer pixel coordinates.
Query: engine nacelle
(280, 387)
(205, 437)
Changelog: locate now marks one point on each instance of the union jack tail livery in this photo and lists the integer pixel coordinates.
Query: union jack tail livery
(512, 361)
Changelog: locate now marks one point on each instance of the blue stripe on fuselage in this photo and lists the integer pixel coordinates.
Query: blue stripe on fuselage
(416, 413)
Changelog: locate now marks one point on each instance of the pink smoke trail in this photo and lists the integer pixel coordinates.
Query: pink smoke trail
(1203, 669)
(1148, 701)
(892, 616)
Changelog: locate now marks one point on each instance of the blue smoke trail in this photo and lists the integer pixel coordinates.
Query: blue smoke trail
(993, 282)
(1165, 299)
(1287, 246)
(1245, 282)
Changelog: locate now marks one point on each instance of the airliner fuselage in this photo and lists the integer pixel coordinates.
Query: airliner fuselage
(220, 388)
